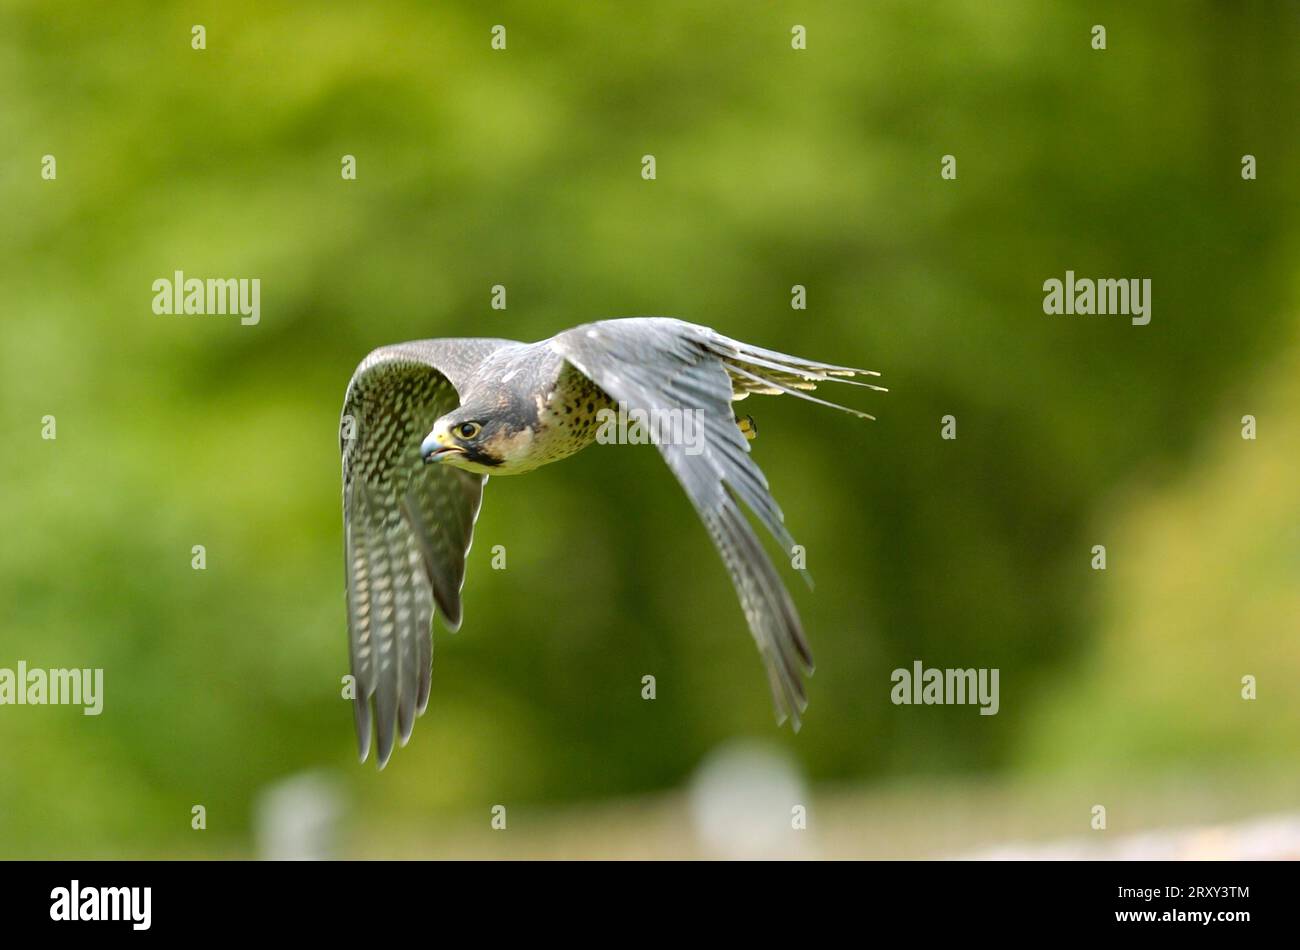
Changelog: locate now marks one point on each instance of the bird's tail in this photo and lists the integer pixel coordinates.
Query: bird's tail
(767, 372)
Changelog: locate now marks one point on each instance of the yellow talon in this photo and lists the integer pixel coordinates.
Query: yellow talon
(748, 427)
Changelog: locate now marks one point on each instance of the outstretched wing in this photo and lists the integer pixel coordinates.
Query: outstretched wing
(406, 526)
(658, 365)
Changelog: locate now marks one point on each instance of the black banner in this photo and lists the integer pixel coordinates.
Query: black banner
(235, 899)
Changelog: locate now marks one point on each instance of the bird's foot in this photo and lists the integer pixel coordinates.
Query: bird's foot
(748, 427)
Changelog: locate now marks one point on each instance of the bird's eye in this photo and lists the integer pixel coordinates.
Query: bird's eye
(467, 430)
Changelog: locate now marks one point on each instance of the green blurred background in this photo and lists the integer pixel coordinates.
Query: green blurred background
(775, 167)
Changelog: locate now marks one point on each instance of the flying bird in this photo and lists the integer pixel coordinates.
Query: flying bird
(426, 422)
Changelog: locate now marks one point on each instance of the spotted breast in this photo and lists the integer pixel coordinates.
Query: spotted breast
(567, 417)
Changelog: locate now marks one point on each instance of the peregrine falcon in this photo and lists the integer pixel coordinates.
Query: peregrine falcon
(426, 422)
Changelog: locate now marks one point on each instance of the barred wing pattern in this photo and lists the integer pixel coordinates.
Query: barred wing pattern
(407, 527)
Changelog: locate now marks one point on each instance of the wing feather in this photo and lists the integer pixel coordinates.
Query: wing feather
(656, 364)
(407, 527)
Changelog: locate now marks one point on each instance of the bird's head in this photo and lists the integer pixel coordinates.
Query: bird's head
(477, 439)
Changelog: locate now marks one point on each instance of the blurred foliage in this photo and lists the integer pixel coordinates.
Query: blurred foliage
(522, 167)
(1206, 593)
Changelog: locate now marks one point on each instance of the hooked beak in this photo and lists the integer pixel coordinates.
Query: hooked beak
(437, 447)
